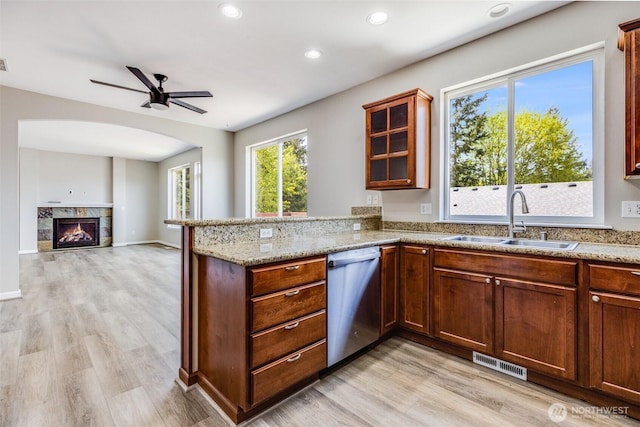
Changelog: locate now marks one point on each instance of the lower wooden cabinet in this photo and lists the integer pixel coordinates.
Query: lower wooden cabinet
(614, 338)
(614, 330)
(261, 331)
(414, 288)
(389, 280)
(500, 305)
(463, 309)
(535, 326)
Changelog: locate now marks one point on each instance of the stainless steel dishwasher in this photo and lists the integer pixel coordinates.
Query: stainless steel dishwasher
(353, 301)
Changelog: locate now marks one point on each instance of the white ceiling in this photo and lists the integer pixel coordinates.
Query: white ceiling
(255, 66)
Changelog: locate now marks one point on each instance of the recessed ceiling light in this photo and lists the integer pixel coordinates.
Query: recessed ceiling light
(377, 18)
(313, 54)
(499, 10)
(230, 11)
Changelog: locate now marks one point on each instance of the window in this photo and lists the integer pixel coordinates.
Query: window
(279, 177)
(537, 129)
(184, 189)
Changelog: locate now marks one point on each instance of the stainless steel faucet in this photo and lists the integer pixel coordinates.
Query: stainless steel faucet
(513, 229)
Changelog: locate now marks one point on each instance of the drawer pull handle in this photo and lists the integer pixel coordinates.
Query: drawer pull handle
(294, 358)
(487, 280)
(292, 293)
(292, 268)
(497, 282)
(595, 298)
(636, 273)
(292, 326)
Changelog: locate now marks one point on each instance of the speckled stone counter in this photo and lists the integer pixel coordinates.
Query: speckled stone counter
(267, 250)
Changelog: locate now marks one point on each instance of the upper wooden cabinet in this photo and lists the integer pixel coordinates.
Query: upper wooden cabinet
(398, 141)
(630, 43)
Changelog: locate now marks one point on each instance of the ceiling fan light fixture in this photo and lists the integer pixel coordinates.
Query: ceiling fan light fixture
(499, 10)
(230, 11)
(377, 18)
(159, 105)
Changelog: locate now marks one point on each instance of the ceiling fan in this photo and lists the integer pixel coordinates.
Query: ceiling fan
(158, 98)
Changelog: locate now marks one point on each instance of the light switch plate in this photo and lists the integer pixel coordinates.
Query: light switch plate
(425, 208)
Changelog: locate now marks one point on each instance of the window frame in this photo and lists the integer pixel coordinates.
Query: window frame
(195, 174)
(594, 53)
(251, 166)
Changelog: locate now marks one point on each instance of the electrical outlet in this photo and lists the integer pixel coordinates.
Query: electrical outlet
(356, 226)
(369, 199)
(425, 208)
(375, 199)
(631, 209)
(266, 233)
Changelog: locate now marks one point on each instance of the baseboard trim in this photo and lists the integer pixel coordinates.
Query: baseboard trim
(4, 296)
(146, 242)
(28, 251)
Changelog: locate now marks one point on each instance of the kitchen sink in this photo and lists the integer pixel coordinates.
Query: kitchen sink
(569, 246)
(477, 239)
(505, 241)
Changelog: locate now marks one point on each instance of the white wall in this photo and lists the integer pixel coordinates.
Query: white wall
(47, 176)
(336, 124)
(171, 234)
(16, 105)
(142, 197)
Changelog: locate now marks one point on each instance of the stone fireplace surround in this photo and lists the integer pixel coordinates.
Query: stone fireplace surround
(46, 214)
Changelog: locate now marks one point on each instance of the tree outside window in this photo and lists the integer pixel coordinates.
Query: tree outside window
(280, 177)
(531, 131)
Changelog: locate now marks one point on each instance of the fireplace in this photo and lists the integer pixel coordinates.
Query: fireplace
(75, 232)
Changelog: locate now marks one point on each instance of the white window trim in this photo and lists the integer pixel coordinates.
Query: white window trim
(250, 190)
(196, 188)
(594, 52)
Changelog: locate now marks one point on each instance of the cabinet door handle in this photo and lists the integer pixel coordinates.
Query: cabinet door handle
(424, 251)
(292, 293)
(497, 282)
(408, 181)
(294, 358)
(292, 268)
(487, 280)
(595, 298)
(637, 166)
(292, 326)
(636, 273)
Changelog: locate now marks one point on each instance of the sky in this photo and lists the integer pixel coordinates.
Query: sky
(569, 89)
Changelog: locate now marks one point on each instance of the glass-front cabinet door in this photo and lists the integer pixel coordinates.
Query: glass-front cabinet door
(397, 131)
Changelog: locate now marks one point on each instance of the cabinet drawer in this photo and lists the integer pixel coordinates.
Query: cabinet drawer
(283, 373)
(617, 279)
(286, 338)
(285, 306)
(282, 276)
(539, 270)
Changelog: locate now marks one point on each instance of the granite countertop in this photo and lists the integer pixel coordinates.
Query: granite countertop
(267, 250)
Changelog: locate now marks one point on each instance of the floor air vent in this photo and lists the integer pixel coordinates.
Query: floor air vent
(500, 365)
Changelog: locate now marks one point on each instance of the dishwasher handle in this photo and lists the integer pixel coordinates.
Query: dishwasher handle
(335, 263)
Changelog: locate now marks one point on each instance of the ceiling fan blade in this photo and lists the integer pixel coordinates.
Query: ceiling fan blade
(146, 104)
(140, 75)
(118, 86)
(194, 94)
(187, 106)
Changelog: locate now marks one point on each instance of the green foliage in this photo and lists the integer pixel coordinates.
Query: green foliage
(545, 147)
(294, 177)
(467, 128)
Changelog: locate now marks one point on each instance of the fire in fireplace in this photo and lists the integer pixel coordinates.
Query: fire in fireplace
(75, 232)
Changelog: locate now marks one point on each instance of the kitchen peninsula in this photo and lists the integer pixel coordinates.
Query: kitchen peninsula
(547, 310)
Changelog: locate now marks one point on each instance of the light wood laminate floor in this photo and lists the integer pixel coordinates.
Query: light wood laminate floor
(94, 342)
